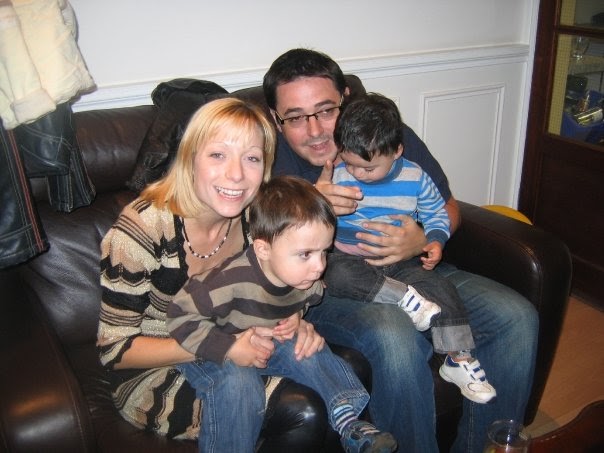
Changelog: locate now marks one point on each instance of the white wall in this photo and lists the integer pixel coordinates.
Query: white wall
(458, 68)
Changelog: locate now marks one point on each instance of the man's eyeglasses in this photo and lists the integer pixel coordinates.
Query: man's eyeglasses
(301, 120)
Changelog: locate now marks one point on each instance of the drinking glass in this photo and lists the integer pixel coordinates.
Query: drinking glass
(507, 436)
(580, 45)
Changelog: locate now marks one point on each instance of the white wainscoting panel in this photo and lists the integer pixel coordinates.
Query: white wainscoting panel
(466, 126)
(469, 111)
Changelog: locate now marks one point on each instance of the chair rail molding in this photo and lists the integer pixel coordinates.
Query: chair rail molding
(372, 67)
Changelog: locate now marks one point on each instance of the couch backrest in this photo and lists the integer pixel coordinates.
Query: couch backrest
(109, 140)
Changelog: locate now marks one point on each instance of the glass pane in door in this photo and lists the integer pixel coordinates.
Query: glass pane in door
(582, 13)
(576, 109)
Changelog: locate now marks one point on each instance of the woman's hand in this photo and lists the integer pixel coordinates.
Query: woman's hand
(308, 341)
(251, 349)
(287, 328)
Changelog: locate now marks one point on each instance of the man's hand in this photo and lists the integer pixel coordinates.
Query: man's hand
(343, 199)
(434, 250)
(396, 243)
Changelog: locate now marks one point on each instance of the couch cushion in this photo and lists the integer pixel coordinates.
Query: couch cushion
(66, 279)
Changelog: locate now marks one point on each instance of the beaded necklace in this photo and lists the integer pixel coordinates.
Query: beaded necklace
(213, 252)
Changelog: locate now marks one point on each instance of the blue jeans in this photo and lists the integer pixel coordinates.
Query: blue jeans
(505, 328)
(351, 277)
(233, 396)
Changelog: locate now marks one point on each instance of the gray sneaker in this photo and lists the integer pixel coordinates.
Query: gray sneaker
(421, 310)
(362, 437)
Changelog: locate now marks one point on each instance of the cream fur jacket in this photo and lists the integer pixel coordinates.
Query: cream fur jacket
(40, 62)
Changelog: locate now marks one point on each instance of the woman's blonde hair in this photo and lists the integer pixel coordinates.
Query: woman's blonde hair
(231, 118)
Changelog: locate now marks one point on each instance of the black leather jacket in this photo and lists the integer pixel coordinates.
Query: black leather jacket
(177, 100)
(45, 148)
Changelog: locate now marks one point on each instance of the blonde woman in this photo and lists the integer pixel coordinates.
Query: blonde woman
(187, 222)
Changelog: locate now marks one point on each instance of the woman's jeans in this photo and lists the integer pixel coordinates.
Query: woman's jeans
(234, 397)
(351, 277)
(505, 327)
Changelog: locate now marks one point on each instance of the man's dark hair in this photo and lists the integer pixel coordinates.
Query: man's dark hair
(297, 63)
(284, 202)
(369, 125)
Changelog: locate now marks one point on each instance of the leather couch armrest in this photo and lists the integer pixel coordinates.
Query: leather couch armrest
(525, 258)
(528, 259)
(42, 403)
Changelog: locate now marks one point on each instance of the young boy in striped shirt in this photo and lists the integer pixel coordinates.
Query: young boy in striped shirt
(270, 284)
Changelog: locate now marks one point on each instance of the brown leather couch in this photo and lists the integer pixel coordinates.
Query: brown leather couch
(53, 393)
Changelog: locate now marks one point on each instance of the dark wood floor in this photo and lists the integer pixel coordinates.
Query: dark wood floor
(577, 376)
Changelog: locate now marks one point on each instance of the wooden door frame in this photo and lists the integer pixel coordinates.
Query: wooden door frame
(537, 137)
(549, 159)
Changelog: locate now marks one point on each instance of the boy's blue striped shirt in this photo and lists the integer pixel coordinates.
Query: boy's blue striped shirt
(407, 189)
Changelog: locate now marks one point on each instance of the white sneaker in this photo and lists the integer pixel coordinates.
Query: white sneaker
(469, 377)
(421, 310)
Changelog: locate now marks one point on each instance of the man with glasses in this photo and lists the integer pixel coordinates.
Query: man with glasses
(304, 90)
